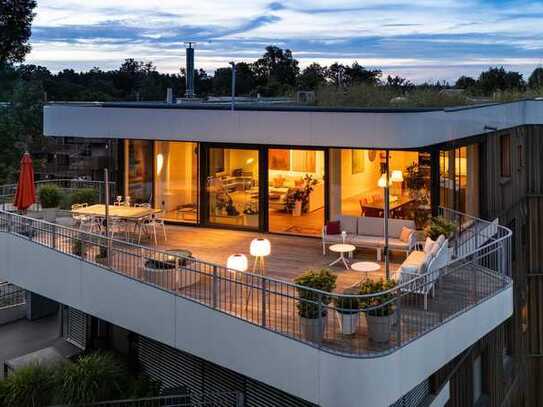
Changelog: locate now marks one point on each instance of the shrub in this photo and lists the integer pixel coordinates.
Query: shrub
(347, 305)
(381, 304)
(30, 386)
(50, 196)
(309, 301)
(96, 377)
(82, 195)
(440, 226)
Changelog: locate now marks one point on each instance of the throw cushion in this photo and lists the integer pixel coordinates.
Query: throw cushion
(404, 234)
(440, 240)
(428, 245)
(333, 228)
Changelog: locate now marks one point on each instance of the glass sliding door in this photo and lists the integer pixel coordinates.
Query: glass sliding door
(296, 191)
(233, 187)
(459, 179)
(139, 171)
(176, 180)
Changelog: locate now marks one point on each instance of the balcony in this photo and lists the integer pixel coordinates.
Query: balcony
(250, 323)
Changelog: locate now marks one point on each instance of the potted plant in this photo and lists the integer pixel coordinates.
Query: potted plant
(440, 226)
(250, 214)
(348, 313)
(50, 197)
(379, 308)
(102, 255)
(297, 202)
(311, 304)
(78, 248)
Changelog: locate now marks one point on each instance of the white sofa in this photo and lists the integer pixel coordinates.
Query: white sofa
(424, 263)
(368, 232)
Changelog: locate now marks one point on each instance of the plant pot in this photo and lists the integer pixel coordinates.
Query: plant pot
(348, 322)
(380, 327)
(297, 210)
(49, 214)
(313, 328)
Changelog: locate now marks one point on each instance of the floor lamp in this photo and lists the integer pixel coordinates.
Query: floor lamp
(259, 249)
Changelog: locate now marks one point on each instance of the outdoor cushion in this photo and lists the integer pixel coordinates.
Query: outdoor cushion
(428, 245)
(435, 249)
(333, 228)
(405, 234)
(369, 226)
(440, 240)
(337, 238)
(348, 224)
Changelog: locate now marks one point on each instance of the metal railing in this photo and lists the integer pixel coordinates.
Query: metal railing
(7, 192)
(11, 295)
(331, 321)
(225, 399)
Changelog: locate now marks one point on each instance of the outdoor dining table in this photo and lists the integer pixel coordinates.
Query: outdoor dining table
(122, 212)
(134, 214)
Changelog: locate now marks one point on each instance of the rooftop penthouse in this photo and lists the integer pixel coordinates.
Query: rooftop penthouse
(207, 181)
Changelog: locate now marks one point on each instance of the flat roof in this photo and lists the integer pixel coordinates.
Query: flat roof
(394, 128)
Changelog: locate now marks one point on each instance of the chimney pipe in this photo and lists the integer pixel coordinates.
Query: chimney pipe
(190, 71)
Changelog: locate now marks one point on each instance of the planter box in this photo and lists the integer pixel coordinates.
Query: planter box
(380, 328)
(348, 322)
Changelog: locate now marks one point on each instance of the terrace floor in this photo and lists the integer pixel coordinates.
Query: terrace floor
(290, 255)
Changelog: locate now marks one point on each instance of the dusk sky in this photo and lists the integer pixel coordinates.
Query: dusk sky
(423, 40)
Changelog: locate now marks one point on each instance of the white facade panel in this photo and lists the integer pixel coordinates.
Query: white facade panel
(320, 377)
(326, 129)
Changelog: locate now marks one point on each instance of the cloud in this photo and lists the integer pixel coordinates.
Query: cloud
(417, 37)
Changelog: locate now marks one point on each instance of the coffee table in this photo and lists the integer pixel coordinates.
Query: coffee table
(342, 249)
(365, 267)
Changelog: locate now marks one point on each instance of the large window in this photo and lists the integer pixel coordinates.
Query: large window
(296, 191)
(176, 180)
(358, 178)
(459, 179)
(233, 187)
(139, 171)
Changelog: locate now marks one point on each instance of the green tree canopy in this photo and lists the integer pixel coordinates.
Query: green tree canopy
(535, 81)
(15, 28)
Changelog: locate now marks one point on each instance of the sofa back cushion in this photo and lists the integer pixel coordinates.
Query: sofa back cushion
(348, 224)
(405, 234)
(370, 226)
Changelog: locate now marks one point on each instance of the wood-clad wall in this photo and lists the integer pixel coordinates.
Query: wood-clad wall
(518, 202)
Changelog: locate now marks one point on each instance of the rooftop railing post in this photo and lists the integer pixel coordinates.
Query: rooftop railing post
(398, 319)
(321, 320)
(215, 286)
(10, 223)
(54, 232)
(263, 302)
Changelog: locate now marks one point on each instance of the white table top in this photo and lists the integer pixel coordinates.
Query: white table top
(342, 248)
(365, 266)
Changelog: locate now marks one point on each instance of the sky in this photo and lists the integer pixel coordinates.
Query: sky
(423, 40)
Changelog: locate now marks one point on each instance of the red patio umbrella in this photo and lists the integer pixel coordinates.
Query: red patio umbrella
(26, 191)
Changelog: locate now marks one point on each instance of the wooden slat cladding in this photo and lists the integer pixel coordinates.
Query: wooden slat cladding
(518, 202)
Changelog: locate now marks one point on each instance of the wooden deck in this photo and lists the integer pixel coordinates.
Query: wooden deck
(290, 255)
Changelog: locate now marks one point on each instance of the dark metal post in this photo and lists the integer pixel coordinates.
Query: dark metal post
(263, 302)
(233, 85)
(214, 287)
(108, 240)
(387, 207)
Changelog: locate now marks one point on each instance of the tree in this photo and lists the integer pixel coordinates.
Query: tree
(131, 74)
(498, 79)
(465, 82)
(398, 83)
(15, 28)
(245, 80)
(356, 74)
(276, 66)
(312, 77)
(535, 81)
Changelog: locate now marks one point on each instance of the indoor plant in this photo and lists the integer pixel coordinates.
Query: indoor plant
(440, 226)
(348, 313)
(50, 197)
(311, 304)
(250, 214)
(379, 307)
(297, 201)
